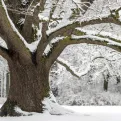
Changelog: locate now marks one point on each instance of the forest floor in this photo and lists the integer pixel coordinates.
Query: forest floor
(81, 113)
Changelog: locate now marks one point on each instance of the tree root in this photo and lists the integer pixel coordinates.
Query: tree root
(8, 109)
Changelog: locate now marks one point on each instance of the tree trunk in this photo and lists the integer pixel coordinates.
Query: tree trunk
(28, 87)
(106, 79)
(105, 85)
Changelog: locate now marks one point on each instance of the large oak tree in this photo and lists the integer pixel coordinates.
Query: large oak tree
(36, 32)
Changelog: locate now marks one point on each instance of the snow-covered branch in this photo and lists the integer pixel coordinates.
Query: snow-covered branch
(91, 39)
(88, 37)
(68, 67)
(10, 34)
(109, 67)
(111, 38)
(74, 73)
(83, 5)
(99, 20)
(112, 17)
(72, 70)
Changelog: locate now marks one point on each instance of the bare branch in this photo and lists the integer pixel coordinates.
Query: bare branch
(22, 12)
(42, 4)
(68, 68)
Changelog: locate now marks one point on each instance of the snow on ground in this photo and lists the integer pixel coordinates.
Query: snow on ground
(82, 113)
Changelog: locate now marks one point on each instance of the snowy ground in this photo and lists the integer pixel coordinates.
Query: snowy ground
(82, 113)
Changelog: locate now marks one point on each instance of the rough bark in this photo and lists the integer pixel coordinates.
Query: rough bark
(28, 87)
(28, 78)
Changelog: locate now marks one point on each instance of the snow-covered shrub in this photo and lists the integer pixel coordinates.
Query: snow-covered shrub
(93, 98)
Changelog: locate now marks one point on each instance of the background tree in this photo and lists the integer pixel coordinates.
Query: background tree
(45, 28)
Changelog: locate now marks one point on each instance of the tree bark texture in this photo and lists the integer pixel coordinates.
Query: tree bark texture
(28, 87)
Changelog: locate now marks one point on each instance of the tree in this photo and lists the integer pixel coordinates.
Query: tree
(45, 28)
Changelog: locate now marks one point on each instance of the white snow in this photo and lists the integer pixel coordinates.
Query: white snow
(62, 24)
(120, 15)
(50, 45)
(2, 43)
(41, 17)
(21, 21)
(52, 107)
(95, 109)
(45, 14)
(24, 2)
(82, 113)
(102, 33)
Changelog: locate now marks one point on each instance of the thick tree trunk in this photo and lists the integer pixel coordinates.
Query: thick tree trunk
(28, 87)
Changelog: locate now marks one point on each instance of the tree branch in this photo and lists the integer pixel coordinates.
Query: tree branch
(43, 43)
(76, 74)
(55, 51)
(4, 53)
(68, 68)
(96, 41)
(89, 39)
(9, 33)
(67, 30)
(27, 30)
(108, 19)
